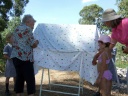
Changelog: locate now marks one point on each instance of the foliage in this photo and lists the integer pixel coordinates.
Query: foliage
(10, 8)
(2, 65)
(11, 26)
(18, 7)
(90, 13)
(5, 6)
(122, 7)
(121, 58)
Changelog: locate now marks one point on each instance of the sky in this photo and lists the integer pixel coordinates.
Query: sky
(62, 11)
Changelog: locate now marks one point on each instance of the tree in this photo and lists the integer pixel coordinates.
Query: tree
(11, 26)
(122, 7)
(10, 8)
(5, 6)
(90, 13)
(18, 7)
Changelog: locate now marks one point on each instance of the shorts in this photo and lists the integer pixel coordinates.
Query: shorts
(107, 74)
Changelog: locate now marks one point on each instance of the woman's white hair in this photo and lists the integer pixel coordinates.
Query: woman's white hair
(27, 18)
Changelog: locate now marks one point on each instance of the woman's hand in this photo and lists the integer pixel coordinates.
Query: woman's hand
(125, 50)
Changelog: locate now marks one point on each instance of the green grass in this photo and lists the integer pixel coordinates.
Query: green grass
(122, 64)
(2, 65)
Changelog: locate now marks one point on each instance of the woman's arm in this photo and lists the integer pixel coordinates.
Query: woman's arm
(113, 43)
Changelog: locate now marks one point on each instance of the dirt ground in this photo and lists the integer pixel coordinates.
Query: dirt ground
(59, 77)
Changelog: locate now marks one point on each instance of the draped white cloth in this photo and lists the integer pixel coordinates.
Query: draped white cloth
(67, 47)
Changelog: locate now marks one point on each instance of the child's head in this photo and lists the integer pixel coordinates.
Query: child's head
(105, 39)
(9, 38)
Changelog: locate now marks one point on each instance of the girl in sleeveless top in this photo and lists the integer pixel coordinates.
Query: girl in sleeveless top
(104, 80)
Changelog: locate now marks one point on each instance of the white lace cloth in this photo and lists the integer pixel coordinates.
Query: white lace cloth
(67, 47)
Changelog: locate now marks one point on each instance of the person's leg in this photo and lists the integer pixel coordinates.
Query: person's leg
(7, 84)
(31, 95)
(19, 84)
(103, 87)
(14, 80)
(29, 77)
(7, 92)
(109, 86)
(107, 76)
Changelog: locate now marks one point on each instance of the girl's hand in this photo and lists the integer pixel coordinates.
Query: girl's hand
(94, 61)
(98, 81)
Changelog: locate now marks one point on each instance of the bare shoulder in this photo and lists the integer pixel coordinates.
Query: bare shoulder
(107, 53)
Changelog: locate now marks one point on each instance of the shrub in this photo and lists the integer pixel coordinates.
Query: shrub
(2, 65)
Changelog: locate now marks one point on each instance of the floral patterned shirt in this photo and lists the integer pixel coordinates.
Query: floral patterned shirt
(22, 41)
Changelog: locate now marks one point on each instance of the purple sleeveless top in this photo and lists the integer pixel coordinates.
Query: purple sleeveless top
(100, 59)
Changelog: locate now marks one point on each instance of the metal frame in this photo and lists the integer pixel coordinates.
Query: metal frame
(80, 87)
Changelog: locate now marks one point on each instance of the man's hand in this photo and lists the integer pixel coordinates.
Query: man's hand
(35, 44)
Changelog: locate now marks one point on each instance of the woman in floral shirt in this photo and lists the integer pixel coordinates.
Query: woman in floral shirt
(22, 55)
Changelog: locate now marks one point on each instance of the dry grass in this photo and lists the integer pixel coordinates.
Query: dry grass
(61, 77)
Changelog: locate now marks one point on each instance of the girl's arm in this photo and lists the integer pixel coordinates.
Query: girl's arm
(112, 45)
(6, 56)
(104, 65)
(94, 61)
